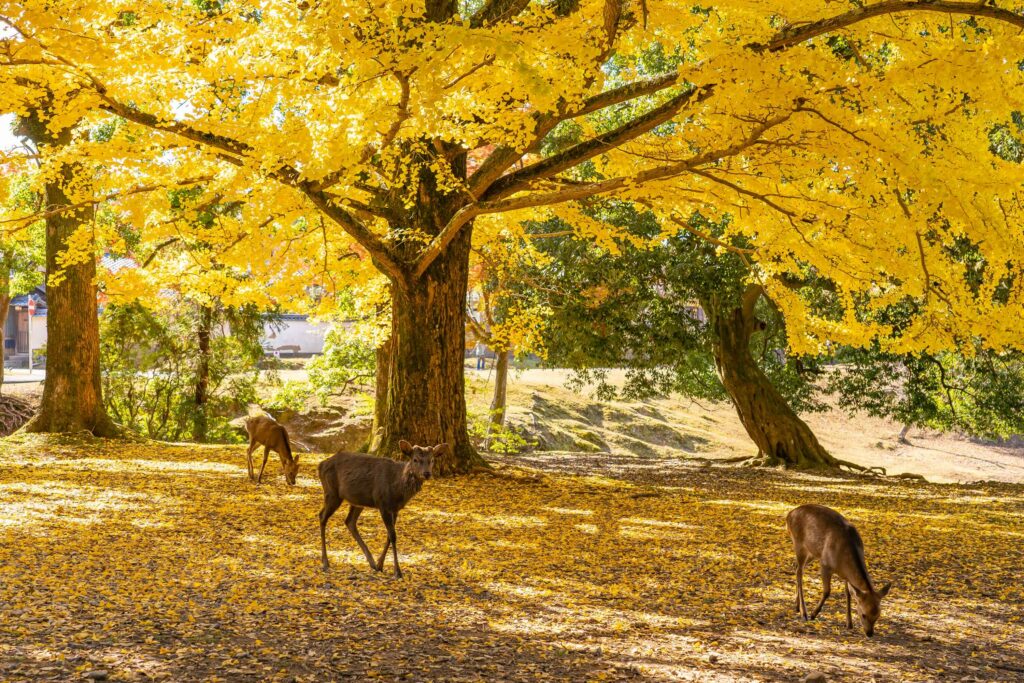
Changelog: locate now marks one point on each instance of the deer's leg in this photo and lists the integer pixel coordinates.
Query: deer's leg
(849, 618)
(331, 503)
(387, 543)
(352, 522)
(266, 454)
(801, 607)
(248, 458)
(826, 584)
(389, 521)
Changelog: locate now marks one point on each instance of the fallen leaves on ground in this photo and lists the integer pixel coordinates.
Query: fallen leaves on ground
(162, 562)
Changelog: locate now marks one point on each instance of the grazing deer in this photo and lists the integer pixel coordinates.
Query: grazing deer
(266, 431)
(365, 481)
(820, 533)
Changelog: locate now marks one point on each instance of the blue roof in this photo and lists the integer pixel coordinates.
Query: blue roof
(39, 294)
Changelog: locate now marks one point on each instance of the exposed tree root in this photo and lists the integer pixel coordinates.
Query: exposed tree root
(854, 467)
(14, 412)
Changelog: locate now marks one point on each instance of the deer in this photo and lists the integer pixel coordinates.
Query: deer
(821, 533)
(268, 432)
(365, 481)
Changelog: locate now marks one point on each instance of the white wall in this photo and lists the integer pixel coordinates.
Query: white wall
(38, 330)
(308, 336)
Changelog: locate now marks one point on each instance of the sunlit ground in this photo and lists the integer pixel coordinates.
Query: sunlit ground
(162, 562)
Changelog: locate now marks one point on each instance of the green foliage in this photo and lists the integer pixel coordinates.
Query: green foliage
(151, 365)
(348, 359)
(643, 310)
(290, 397)
(978, 394)
(501, 439)
(22, 255)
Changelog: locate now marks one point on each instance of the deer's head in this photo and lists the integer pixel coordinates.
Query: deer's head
(291, 470)
(421, 458)
(869, 607)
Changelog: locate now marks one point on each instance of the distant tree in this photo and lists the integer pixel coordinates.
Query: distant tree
(978, 394)
(180, 372)
(507, 318)
(72, 395)
(678, 311)
(22, 254)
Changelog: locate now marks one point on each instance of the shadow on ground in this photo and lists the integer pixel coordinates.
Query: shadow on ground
(160, 562)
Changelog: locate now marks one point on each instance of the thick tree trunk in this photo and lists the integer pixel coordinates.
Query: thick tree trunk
(72, 395)
(781, 436)
(426, 399)
(200, 421)
(498, 403)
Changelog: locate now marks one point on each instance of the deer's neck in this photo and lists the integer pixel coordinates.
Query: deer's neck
(858, 572)
(412, 482)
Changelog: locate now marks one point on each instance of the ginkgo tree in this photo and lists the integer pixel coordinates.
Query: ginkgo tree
(843, 137)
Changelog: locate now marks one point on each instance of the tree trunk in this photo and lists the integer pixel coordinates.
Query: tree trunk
(380, 397)
(498, 403)
(781, 436)
(200, 421)
(72, 395)
(5, 305)
(426, 398)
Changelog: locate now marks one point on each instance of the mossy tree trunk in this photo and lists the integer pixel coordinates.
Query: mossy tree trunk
(380, 394)
(782, 438)
(425, 399)
(72, 395)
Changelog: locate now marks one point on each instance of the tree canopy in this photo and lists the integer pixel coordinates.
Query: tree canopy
(847, 141)
(850, 141)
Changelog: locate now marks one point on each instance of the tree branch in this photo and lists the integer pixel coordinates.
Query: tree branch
(494, 11)
(577, 191)
(795, 35)
(117, 194)
(577, 154)
(378, 251)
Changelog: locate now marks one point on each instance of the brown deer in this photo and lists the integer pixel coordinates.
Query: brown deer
(266, 431)
(821, 533)
(365, 481)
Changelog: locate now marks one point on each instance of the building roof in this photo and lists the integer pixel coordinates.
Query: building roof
(39, 294)
(113, 264)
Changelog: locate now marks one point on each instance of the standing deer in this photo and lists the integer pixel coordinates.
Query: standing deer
(266, 431)
(820, 533)
(365, 481)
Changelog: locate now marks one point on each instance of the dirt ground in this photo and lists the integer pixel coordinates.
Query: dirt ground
(156, 562)
(679, 428)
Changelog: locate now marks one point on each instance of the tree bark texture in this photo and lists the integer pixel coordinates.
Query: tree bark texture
(72, 395)
(781, 436)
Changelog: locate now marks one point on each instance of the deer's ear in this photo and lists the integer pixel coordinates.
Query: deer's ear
(405, 446)
(296, 459)
(885, 589)
(441, 449)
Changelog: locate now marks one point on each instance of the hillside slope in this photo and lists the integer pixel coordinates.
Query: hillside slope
(668, 432)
